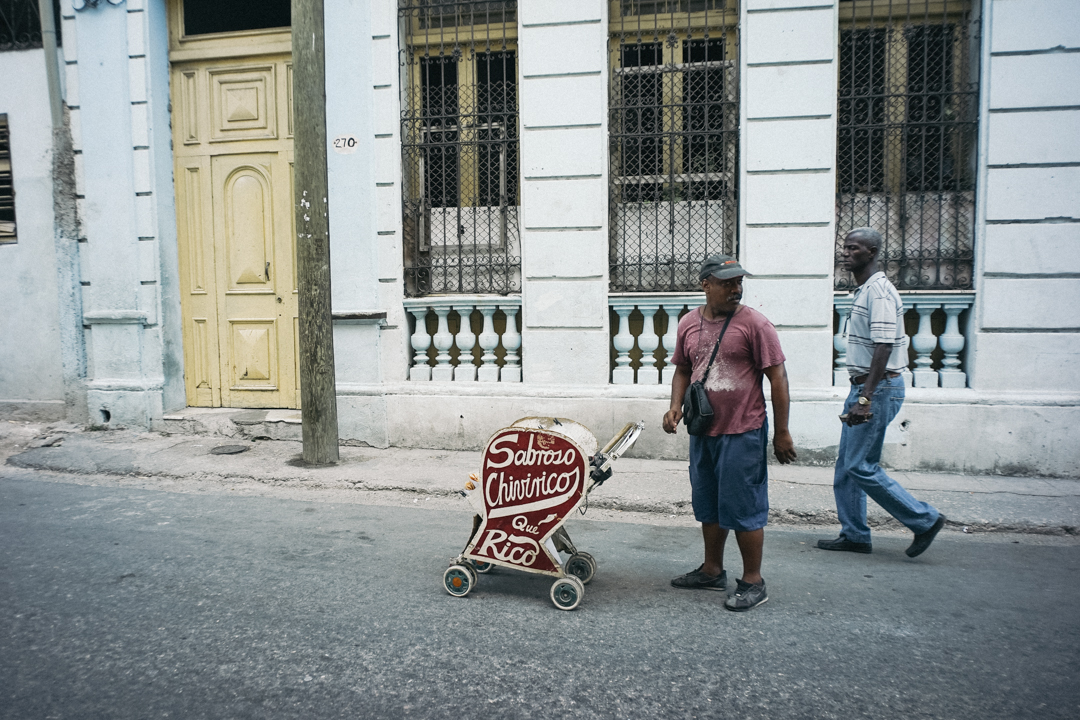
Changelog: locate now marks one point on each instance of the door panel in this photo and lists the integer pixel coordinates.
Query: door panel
(246, 208)
(251, 206)
(234, 218)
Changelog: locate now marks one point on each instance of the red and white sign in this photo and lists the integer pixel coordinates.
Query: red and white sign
(530, 480)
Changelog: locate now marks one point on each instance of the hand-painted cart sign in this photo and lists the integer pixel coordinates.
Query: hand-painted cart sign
(533, 475)
(531, 480)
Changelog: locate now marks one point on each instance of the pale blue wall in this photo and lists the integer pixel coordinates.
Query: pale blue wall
(31, 379)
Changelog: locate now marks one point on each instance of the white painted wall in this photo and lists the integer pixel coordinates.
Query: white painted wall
(562, 104)
(1023, 400)
(31, 379)
(354, 242)
(1029, 232)
(788, 175)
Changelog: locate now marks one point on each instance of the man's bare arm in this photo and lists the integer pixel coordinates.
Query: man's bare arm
(859, 413)
(679, 382)
(783, 445)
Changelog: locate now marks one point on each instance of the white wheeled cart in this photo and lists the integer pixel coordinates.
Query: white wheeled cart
(533, 475)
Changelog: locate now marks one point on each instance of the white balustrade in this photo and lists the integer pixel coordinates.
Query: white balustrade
(924, 342)
(511, 371)
(623, 341)
(489, 340)
(648, 370)
(421, 341)
(464, 367)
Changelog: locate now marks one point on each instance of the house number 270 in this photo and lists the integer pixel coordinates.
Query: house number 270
(345, 144)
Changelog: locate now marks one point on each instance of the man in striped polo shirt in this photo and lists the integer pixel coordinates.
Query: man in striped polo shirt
(876, 355)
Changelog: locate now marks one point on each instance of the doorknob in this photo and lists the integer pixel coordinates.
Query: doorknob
(268, 271)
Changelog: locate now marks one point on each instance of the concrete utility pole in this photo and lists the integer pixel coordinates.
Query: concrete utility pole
(318, 389)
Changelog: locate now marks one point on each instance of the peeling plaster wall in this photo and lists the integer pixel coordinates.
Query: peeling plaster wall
(31, 370)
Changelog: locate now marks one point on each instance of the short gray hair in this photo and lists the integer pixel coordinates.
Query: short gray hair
(868, 235)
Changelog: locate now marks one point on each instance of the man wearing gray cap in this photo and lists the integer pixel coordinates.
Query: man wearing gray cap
(735, 346)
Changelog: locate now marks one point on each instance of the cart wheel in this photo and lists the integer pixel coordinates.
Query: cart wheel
(458, 580)
(567, 593)
(582, 566)
(482, 567)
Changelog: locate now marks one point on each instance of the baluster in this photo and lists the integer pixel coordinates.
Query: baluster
(952, 342)
(648, 341)
(905, 374)
(511, 371)
(840, 372)
(623, 341)
(421, 341)
(670, 337)
(489, 340)
(466, 341)
(924, 343)
(443, 370)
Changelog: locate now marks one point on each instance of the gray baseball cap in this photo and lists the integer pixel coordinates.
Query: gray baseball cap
(721, 267)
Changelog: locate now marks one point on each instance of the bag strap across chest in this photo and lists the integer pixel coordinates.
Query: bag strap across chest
(716, 347)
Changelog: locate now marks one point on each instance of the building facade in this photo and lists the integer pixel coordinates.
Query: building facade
(520, 194)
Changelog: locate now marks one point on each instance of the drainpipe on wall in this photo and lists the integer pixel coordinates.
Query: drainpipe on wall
(52, 72)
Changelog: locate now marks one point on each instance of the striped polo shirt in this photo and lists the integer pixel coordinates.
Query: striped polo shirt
(877, 316)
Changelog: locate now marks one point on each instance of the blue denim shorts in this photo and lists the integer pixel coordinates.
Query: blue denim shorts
(729, 479)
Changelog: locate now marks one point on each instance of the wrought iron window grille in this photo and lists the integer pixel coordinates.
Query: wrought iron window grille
(20, 24)
(460, 147)
(907, 137)
(673, 134)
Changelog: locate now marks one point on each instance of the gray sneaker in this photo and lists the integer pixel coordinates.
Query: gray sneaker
(746, 596)
(697, 580)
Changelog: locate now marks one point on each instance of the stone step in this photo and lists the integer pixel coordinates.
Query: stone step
(273, 424)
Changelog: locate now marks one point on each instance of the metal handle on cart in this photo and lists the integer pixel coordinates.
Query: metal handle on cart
(615, 448)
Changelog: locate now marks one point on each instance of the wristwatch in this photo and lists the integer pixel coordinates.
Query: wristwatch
(863, 400)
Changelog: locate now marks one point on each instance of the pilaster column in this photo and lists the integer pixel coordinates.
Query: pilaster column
(117, 105)
(787, 175)
(561, 48)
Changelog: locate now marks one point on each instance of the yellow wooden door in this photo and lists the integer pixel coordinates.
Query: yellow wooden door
(232, 140)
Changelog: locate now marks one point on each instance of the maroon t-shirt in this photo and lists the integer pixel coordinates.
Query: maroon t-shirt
(734, 386)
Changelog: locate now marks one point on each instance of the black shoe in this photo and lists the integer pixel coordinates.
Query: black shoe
(923, 540)
(746, 596)
(697, 580)
(842, 543)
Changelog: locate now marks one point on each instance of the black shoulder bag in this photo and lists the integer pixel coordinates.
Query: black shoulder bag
(697, 412)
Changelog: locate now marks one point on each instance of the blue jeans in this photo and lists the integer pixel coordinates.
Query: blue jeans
(858, 473)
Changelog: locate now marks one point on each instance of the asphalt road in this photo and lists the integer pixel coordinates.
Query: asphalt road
(133, 603)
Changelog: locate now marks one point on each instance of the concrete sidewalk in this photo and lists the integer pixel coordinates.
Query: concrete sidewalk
(659, 488)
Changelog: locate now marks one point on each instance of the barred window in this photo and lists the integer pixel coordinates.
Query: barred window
(460, 147)
(20, 24)
(906, 143)
(673, 133)
(7, 186)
